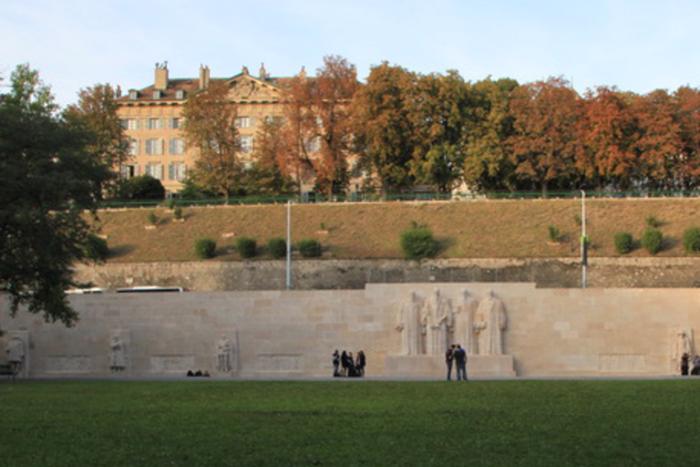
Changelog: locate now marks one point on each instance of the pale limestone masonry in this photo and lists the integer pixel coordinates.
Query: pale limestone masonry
(354, 274)
(550, 332)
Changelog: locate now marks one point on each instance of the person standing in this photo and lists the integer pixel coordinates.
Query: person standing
(449, 356)
(336, 363)
(344, 363)
(460, 356)
(361, 362)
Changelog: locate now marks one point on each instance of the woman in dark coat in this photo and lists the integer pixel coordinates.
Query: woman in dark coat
(336, 363)
(361, 362)
(344, 363)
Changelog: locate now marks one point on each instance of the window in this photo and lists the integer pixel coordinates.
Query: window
(177, 171)
(174, 122)
(180, 94)
(154, 146)
(246, 144)
(243, 122)
(274, 119)
(133, 147)
(177, 146)
(129, 123)
(157, 94)
(155, 171)
(133, 94)
(313, 145)
(154, 123)
(127, 171)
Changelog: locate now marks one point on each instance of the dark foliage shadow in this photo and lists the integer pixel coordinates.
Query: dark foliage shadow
(120, 250)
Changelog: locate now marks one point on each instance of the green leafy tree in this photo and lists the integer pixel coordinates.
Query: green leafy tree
(265, 175)
(384, 134)
(48, 177)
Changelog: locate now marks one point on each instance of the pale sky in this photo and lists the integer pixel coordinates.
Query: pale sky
(636, 45)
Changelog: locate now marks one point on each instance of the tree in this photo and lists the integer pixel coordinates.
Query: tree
(332, 92)
(384, 134)
(48, 178)
(440, 114)
(210, 127)
(300, 130)
(686, 168)
(656, 142)
(545, 141)
(487, 163)
(97, 111)
(607, 158)
(141, 187)
(265, 175)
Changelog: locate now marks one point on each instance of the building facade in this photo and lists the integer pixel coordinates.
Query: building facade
(152, 120)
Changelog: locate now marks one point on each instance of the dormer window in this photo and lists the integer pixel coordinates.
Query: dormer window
(180, 94)
(133, 94)
(157, 94)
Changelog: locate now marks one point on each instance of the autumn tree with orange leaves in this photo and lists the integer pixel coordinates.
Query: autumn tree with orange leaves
(546, 139)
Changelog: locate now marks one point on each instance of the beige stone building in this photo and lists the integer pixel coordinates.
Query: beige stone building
(152, 119)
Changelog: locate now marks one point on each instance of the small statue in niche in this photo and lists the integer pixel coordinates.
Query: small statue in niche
(489, 324)
(223, 354)
(117, 356)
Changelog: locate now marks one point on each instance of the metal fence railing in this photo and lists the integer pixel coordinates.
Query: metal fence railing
(375, 197)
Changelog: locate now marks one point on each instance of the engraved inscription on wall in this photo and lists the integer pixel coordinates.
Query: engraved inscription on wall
(172, 363)
(622, 363)
(279, 362)
(69, 364)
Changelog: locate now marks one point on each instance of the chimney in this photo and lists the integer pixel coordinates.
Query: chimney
(161, 81)
(203, 77)
(302, 73)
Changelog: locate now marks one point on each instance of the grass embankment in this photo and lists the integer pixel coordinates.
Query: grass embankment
(478, 229)
(556, 423)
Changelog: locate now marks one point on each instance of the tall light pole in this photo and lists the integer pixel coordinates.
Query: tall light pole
(289, 244)
(584, 241)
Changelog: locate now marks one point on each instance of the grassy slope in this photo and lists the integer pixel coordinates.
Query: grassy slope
(509, 423)
(480, 229)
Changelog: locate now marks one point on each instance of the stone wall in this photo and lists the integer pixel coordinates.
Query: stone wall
(549, 332)
(354, 274)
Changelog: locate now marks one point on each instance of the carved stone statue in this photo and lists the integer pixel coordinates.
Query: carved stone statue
(409, 325)
(15, 353)
(489, 324)
(438, 323)
(117, 356)
(682, 344)
(223, 354)
(464, 323)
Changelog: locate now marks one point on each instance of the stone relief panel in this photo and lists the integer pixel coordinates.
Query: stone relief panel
(489, 324)
(17, 351)
(179, 364)
(682, 343)
(277, 362)
(69, 364)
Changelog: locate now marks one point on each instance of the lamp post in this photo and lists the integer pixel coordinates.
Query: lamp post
(584, 241)
(289, 244)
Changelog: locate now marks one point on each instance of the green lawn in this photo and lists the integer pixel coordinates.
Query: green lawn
(349, 422)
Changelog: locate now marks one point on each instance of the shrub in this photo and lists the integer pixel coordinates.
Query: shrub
(177, 212)
(246, 247)
(418, 242)
(205, 248)
(141, 187)
(623, 242)
(152, 218)
(653, 222)
(691, 240)
(554, 234)
(577, 220)
(652, 239)
(277, 247)
(96, 248)
(310, 248)
(172, 203)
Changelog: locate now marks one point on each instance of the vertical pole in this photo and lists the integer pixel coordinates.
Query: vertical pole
(584, 241)
(289, 244)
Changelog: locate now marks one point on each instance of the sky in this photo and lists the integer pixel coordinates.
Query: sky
(637, 46)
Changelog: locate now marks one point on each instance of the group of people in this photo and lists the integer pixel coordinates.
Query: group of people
(685, 365)
(345, 365)
(455, 354)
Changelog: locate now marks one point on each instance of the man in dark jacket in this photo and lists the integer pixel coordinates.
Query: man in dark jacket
(460, 357)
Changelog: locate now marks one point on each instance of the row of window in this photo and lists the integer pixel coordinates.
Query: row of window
(176, 171)
(155, 146)
(157, 123)
(176, 146)
(150, 123)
